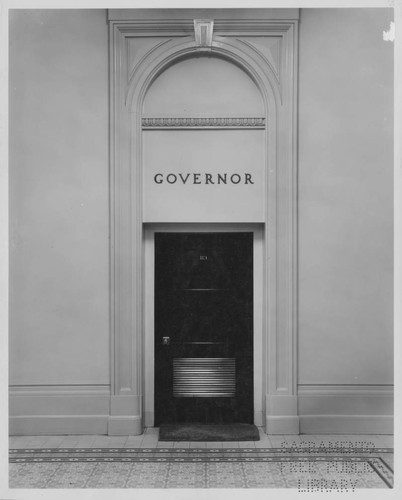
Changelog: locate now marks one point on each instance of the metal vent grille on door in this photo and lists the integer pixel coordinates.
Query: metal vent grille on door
(204, 377)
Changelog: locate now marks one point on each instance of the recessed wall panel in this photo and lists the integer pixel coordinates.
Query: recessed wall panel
(203, 175)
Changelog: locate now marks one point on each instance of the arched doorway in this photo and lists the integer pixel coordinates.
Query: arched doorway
(203, 165)
(203, 133)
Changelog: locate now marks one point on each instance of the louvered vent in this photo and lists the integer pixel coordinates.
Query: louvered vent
(204, 377)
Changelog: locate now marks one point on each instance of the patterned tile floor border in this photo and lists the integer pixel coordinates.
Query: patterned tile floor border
(306, 469)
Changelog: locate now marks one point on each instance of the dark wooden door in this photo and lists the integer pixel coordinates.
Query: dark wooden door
(203, 327)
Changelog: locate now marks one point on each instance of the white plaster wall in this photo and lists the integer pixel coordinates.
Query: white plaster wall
(345, 197)
(59, 198)
(59, 332)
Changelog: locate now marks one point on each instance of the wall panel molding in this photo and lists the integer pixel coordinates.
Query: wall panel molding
(344, 389)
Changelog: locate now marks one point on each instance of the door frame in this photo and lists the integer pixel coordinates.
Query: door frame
(149, 293)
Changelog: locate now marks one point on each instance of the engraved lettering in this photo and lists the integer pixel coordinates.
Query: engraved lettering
(208, 179)
(248, 179)
(184, 179)
(204, 178)
(171, 178)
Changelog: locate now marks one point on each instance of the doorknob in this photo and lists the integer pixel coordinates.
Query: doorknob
(165, 340)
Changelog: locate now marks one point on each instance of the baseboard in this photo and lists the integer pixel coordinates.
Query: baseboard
(346, 424)
(350, 409)
(281, 415)
(258, 418)
(59, 410)
(91, 410)
(57, 425)
(125, 426)
(149, 419)
(282, 425)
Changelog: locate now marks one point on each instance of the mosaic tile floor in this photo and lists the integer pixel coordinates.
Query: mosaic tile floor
(304, 468)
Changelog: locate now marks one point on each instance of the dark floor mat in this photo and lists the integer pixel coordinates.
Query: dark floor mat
(208, 432)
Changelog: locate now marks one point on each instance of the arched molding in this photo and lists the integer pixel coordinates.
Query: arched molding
(167, 54)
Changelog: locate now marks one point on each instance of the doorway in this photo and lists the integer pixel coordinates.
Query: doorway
(203, 327)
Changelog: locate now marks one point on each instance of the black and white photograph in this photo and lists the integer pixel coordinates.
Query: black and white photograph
(202, 281)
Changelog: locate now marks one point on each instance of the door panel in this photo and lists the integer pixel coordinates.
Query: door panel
(203, 327)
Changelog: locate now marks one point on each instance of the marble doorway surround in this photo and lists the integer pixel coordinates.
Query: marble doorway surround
(144, 44)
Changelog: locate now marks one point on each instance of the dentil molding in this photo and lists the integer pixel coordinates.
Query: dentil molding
(203, 123)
